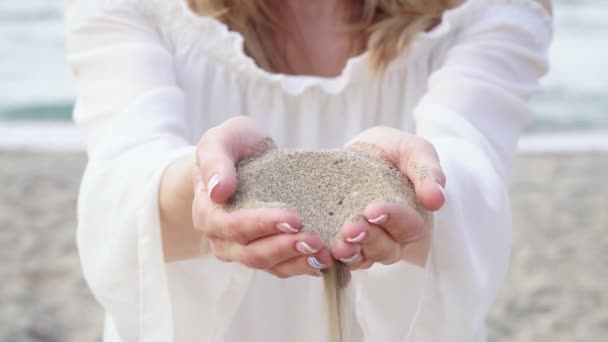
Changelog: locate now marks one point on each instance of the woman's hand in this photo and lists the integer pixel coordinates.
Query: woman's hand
(387, 228)
(267, 239)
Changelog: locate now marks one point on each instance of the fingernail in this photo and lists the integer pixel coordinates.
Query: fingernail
(305, 248)
(317, 273)
(350, 259)
(213, 182)
(315, 263)
(357, 238)
(442, 191)
(380, 219)
(287, 228)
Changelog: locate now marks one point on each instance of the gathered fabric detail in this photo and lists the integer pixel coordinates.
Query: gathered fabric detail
(185, 30)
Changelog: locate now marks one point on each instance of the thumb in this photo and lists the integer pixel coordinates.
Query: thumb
(217, 174)
(424, 170)
(220, 149)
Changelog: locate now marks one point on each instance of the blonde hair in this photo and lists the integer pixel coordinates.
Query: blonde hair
(384, 27)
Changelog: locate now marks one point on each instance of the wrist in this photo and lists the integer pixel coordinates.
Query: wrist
(176, 194)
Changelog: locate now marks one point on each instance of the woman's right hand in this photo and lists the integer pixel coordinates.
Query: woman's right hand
(266, 238)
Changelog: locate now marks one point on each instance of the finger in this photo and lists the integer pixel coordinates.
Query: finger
(218, 151)
(243, 225)
(225, 251)
(303, 265)
(376, 243)
(246, 225)
(416, 158)
(402, 222)
(361, 264)
(268, 252)
(346, 252)
(380, 247)
(424, 170)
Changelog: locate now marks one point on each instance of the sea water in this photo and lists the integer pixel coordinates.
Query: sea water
(35, 81)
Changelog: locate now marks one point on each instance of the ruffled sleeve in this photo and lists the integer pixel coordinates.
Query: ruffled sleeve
(473, 111)
(130, 112)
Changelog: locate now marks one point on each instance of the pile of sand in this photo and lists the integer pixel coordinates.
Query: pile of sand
(326, 188)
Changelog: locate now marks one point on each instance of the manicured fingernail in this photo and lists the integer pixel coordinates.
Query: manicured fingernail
(315, 263)
(213, 182)
(442, 191)
(350, 259)
(380, 219)
(287, 228)
(305, 248)
(357, 238)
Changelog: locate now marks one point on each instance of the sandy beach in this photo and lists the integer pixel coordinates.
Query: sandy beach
(557, 289)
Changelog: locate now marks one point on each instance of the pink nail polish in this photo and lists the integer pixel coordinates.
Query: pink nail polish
(213, 182)
(350, 259)
(357, 238)
(287, 228)
(305, 248)
(380, 219)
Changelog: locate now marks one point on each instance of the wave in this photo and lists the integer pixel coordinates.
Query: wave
(39, 112)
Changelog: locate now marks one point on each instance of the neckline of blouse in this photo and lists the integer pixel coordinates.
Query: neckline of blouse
(227, 47)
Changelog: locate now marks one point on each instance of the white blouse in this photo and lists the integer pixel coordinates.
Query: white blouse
(153, 76)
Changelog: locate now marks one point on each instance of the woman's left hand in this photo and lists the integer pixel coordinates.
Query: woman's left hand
(387, 228)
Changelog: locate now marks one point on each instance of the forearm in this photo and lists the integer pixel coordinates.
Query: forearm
(180, 240)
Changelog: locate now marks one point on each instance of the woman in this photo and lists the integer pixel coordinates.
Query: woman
(160, 85)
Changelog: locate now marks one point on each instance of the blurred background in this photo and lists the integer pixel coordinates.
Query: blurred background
(558, 286)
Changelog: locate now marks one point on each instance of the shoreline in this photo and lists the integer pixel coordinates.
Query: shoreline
(55, 136)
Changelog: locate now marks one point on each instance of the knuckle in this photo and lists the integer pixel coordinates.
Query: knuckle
(222, 257)
(241, 238)
(233, 231)
(253, 260)
(282, 275)
(400, 234)
(391, 258)
(211, 135)
(207, 226)
(260, 224)
(281, 250)
(218, 250)
(237, 235)
(366, 265)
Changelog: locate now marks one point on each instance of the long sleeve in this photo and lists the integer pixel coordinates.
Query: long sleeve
(130, 112)
(473, 110)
